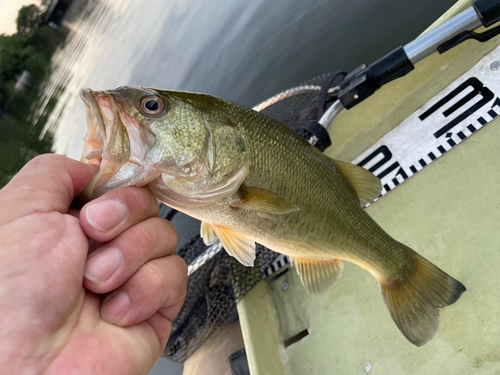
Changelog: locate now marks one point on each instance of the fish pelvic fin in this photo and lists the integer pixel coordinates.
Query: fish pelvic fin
(414, 301)
(318, 276)
(254, 198)
(208, 234)
(236, 244)
(366, 185)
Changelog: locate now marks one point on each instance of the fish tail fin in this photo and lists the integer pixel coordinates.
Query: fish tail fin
(414, 302)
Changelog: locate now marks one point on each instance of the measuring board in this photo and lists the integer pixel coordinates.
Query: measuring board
(452, 116)
(449, 118)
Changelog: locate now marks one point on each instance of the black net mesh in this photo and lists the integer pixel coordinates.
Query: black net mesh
(217, 281)
(209, 302)
(295, 100)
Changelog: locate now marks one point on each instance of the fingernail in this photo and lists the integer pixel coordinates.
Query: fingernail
(116, 307)
(102, 265)
(106, 215)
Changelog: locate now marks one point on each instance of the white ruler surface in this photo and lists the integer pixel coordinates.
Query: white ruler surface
(452, 116)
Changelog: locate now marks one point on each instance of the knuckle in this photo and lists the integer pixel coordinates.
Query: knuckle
(155, 275)
(44, 159)
(181, 265)
(168, 231)
(145, 236)
(142, 199)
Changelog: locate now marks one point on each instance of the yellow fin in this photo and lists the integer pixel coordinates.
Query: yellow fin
(236, 244)
(366, 185)
(414, 301)
(254, 198)
(317, 276)
(208, 234)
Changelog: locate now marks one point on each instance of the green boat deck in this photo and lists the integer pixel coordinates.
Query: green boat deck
(449, 213)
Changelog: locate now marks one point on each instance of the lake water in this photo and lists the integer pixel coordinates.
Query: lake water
(245, 51)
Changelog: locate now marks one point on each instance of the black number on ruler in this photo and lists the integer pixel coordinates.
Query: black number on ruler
(496, 103)
(478, 89)
(386, 157)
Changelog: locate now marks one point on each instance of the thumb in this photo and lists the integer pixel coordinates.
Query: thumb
(47, 183)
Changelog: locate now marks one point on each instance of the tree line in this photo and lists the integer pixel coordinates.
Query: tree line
(29, 49)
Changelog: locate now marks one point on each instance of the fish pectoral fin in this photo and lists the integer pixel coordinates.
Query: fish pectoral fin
(236, 244)
(366, 185)
(253, 198)
(208, 234)
(317, 276)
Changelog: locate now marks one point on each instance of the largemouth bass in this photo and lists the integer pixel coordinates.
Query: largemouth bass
(249, 179)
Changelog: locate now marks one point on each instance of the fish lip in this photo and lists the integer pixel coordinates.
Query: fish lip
(86, 96)
(96, 153)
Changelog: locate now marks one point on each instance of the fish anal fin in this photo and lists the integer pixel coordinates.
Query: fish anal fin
(317, 276)
(366, 185)
(208, 234)
(253, 198)
(414, 301)
(236, 244)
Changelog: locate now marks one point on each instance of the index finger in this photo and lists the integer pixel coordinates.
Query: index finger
(47, 183)
(106, 217)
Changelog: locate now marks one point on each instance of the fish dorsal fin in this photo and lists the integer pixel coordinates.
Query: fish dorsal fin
(236, 244)
(366, 185)
(253, 198)
(317, 276)
(208, 234)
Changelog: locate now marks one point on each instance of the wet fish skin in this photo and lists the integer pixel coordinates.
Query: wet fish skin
(250, 179)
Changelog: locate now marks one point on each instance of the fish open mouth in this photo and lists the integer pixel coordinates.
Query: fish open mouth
(116, 142)
(107, 137)
(106, 144)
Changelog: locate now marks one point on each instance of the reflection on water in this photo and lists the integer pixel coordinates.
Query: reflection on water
(244, 51)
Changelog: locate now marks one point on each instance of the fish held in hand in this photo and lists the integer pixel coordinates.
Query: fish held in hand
(250, 179)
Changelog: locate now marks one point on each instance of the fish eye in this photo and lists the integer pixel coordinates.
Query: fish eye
(152, 105)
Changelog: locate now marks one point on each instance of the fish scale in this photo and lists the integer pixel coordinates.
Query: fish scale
(250, 179)
(307, 172)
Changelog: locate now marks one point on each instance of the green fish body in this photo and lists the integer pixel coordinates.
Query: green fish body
(249, 179)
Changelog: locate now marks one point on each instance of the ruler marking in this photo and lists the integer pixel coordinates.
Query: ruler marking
(482, 121)
(446, 126)
(388, 170)
(479, 89)
(402, 173)
(429, 133)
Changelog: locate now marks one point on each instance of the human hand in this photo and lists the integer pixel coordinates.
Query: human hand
(53, 320)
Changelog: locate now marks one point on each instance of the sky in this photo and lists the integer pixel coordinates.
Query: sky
(8, 14)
